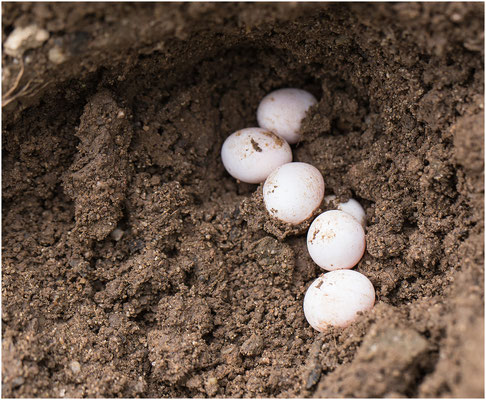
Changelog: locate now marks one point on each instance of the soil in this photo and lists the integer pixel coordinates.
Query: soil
(135, 266)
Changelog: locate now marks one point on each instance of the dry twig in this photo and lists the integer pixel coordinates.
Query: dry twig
(26, 91)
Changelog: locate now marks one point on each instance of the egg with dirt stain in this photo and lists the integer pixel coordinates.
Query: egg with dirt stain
(251, 154)
(336, 240)
(283, 110)
(352, 207)
(293, 192)
(336, 298)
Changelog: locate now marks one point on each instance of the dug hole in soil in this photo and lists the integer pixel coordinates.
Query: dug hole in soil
(135, 266)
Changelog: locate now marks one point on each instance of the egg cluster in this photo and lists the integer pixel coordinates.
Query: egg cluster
(292, 192)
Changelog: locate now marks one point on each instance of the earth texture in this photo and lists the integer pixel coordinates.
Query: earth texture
(133, 265)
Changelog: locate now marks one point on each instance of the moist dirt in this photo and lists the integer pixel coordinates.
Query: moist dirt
(133, 265)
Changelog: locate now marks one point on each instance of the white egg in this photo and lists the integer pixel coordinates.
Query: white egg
(251, 154)
(351, 207)
(335, 298)
(283, 110)
(293, 192)
(336, 240)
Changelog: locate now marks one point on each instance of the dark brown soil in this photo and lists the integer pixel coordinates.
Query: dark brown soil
(134, 265)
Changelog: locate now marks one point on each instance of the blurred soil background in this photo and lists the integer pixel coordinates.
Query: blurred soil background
(133, 265)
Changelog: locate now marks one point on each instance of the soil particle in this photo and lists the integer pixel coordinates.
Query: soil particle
(252, 347)
(255, 145)
(117, 123)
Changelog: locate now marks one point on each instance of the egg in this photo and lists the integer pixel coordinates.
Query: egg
(335, 298)
(293, 192)
(352, 207)
(336, 240)
(283, 110)
(251, 154)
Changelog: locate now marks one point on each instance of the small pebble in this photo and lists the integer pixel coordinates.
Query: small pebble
(18, 381)
(56, 55)
(335, 298)
(117, 234)
(22, 39)
(352, 207)
(75, 367)
(283, 110)
(251, 154)
(336, 240)
(293, 192)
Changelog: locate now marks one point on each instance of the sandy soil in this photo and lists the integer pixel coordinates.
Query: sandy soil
(134, 265)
